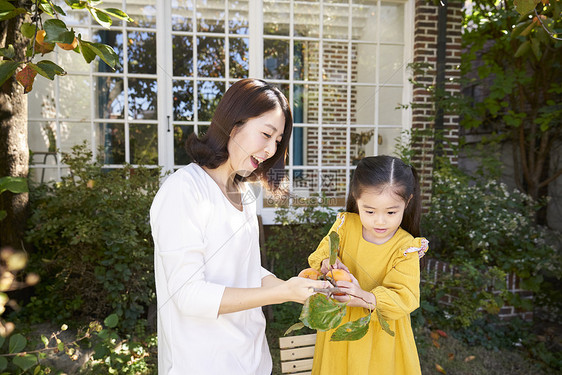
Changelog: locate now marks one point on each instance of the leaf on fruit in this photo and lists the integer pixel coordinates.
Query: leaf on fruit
(47, 69)
(26, 77)
(352, 331)
(57, 32)
(25, 362)
(384, 324)
(525, 6)
(334, 245)
(7, 69)
(322, 313)
(294, 327)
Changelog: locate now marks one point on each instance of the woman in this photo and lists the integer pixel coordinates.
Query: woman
(209, 282)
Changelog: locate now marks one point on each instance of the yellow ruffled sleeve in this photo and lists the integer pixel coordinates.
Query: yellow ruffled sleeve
(323, 250)
(399, 293)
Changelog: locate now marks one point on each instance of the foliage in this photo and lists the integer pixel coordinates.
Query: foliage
(43, 36)
(93, 244)
(15, 185)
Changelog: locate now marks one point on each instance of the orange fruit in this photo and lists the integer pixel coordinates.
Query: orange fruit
(310, 273)
(40, 37)
(338, 275)
(69, 46)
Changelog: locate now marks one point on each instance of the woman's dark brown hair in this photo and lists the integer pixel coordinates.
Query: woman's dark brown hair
(245, 99)
(384, 171)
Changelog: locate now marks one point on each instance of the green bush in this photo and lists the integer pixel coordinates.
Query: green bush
(483, 223)
(93, 247)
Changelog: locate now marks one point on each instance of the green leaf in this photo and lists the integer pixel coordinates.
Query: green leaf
(334, 245)
(46, 7)
(47, 69)
(118, 13)
(28, 30)
(294, 327)
(76, 4)
(2, 340)
(57, 32)
(14, 184)
(111, 321)
(25, 362)
(45, 340)
(536, 47)
(525, 6)
(8, 52)
(523, 49)
(384, 323)
(8, 11)
(3, 363)
(321, 312)
(3, 214)
(101, 17)
(89, 50)
(17, 343)
(7, 69)
(352, 331)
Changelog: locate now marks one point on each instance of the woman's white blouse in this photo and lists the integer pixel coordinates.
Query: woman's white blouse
(202, 245)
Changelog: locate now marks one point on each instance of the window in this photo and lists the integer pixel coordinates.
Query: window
(340, 63)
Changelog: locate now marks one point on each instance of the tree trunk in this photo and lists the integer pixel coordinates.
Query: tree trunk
(14, 152)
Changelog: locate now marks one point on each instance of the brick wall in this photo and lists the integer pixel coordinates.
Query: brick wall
(423, 103)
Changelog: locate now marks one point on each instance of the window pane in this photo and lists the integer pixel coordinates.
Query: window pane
(143, 12)
(113, 39)
(334, 140)
(335, 21)
(392, 22)
(276, 59)
(364, 63)
(305, 183)
(239, 57)
(210, 94)
(334, 66)
(111, 137)
(364, 21)
(363, 105)
(142, 98)
(72, 61)
(141, 49)
(210, 16)
(42, 99)
(305, 106)
(72, 105)
(74, 133)
(306, 19)
(238, 17)
(210, 56)
(143, 143)
(181, 132)
(183, 100)
(305, 63)
(362, 144)
(182, 13)
(334, 104)
(182, 55)
(388, 140)
(110, 97)
(310, 140)
(333, 183)
(389, 99)
(276, 17)
(42, 141)
(392, 64)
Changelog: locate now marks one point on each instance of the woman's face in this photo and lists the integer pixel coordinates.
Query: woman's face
(255, 141)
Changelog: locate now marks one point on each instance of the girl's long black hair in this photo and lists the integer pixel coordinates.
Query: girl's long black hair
(384, 171)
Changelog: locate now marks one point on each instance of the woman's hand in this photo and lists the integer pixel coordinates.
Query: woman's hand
(299, 289)
(325, 266)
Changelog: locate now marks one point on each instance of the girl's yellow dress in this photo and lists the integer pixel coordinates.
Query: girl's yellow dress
(391, 272)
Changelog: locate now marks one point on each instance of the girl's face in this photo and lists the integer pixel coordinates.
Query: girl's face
(255, 141)
(381, 213)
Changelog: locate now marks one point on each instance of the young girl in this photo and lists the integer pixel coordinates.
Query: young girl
(380, 247)
(210, 285)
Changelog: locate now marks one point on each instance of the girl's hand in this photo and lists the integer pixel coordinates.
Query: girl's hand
(299, 289)
(325, 267)
(355, 296)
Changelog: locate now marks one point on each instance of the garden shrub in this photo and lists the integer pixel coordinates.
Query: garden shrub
(484, 224)
(93, 247)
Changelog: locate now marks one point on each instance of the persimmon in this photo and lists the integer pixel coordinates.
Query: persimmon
(336, 275)
(68, 46)
(40, 38)
(310, 273)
